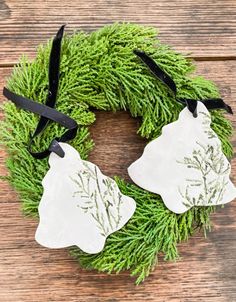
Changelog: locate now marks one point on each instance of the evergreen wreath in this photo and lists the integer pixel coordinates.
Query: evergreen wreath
(100, 71)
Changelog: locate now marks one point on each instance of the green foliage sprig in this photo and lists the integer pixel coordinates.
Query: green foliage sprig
(99, 70)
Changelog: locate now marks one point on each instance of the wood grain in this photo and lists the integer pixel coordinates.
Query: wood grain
(206, 272)
(206, 29)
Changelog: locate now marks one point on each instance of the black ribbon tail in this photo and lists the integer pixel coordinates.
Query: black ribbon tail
(211, 104)
(156, 70)
(217, 104)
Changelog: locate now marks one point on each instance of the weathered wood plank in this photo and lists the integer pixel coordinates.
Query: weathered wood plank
(206, 271)
(206, 29)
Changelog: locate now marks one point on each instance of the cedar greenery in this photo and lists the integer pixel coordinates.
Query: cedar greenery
(99, 70)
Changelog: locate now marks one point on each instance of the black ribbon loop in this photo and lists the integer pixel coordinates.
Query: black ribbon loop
(214, 103)
(46, 111)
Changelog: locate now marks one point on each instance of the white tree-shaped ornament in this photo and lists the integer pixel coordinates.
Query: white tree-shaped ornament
(186, 165)
(80, 206)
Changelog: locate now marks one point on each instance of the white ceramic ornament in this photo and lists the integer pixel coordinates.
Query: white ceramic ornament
(80, 206)
(186, 165)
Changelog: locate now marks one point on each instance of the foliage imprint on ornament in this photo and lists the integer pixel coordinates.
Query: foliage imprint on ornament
(186, 165)
(206, 160)
(80, 205)
(102, 205)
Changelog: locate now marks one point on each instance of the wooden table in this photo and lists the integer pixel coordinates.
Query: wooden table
(207, 270)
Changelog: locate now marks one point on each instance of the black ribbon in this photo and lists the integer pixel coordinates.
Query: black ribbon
(214, 103)
(46, 111)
